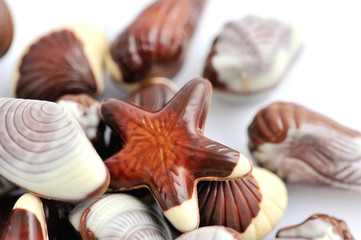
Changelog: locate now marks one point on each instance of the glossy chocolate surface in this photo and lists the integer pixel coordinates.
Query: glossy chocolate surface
(233, 204)
(304, 146)
(6, 28)
(156, 42)
(166, 150)
(53, 66)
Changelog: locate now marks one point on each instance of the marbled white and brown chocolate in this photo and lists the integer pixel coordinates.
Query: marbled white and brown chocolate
(44, 150)
(251, 205)
(6, 28)
(301, 145)
(67, 60)
(318, 226)
(251, 56)
(156, 42)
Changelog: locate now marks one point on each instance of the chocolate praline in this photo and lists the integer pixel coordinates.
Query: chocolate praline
(6, 28)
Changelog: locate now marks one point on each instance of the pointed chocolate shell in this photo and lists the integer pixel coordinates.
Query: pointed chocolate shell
(44, 150)
(27, 220)
(304, 146)
(211, 232)
(68, 60)
(252, 205)
(6, 28)
(118, 215)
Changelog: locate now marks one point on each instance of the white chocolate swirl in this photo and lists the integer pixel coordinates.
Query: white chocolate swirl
(44, 150)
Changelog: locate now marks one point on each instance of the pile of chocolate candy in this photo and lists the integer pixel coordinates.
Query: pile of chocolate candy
(72, 167)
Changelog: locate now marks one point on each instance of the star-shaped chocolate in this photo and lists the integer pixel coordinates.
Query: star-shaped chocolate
(167, 152)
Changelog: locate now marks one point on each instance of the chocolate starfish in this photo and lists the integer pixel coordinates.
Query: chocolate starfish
(167, 152)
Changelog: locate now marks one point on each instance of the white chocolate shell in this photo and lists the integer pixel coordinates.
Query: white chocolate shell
(44, 150)
(118, 215)
(252, 205)
(211, 233)
(27, 220)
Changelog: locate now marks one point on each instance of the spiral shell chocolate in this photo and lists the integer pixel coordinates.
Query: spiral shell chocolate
(304, 146)
(252, 205)
(118, 215)
(68, 60)
(44, 150)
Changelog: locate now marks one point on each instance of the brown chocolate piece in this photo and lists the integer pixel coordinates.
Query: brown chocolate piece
(6, 28)
(168, 152)
(318, 226)
(304, 146)
(156, 42)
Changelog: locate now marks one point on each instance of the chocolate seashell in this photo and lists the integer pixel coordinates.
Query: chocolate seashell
(318, 226)
(68, 60)
(304, 146)
(156, 42)
(249, 57)
(44, 150)
(27, 220)
(6, 28)
(118, 215)
(251, 205)
(211, 232)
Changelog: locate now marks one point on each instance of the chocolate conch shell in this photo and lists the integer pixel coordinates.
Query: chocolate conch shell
(120, 215)
(44, 150)
(27, 220)
(251, 205)
(301, 145)
(67, 60)
(211, 232)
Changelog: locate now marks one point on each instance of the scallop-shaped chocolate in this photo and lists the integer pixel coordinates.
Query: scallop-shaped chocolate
(301, 145)
(26, 221)
(318, 226)
(120, 215)
(68, 60)
(252, 205)
(211, 232)
(250, 56)
(6, 28)
(44, 150)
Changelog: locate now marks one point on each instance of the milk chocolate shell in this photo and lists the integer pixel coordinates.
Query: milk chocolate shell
(304, 146)
(67, 60)
(251, 56)
(252, 205)
(6, 28)
(44, 150)
(318, 226)
(118, 215)
(156, 42)
(26, 221)
(211, 232)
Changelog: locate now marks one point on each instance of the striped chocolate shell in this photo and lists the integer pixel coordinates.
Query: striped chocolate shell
(120, 215)
(252, 205)
(44, 150)
(304, 146)
(67, 60)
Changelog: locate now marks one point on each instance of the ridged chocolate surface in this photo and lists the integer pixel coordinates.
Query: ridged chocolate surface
(53, 66)
(232, 204)
(304, 146)
(156, 42)
(6, 28)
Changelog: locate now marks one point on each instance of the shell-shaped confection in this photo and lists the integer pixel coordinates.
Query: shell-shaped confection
(6, 28)
(318, 226)
(211, 233)
(251, 56)
(27, 220)
(156, 42)
(44, 150)
(304, 146)
(68, 60)
(252, 205)
(118, 215)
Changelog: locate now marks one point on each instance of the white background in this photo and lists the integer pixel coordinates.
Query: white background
(325, 78)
